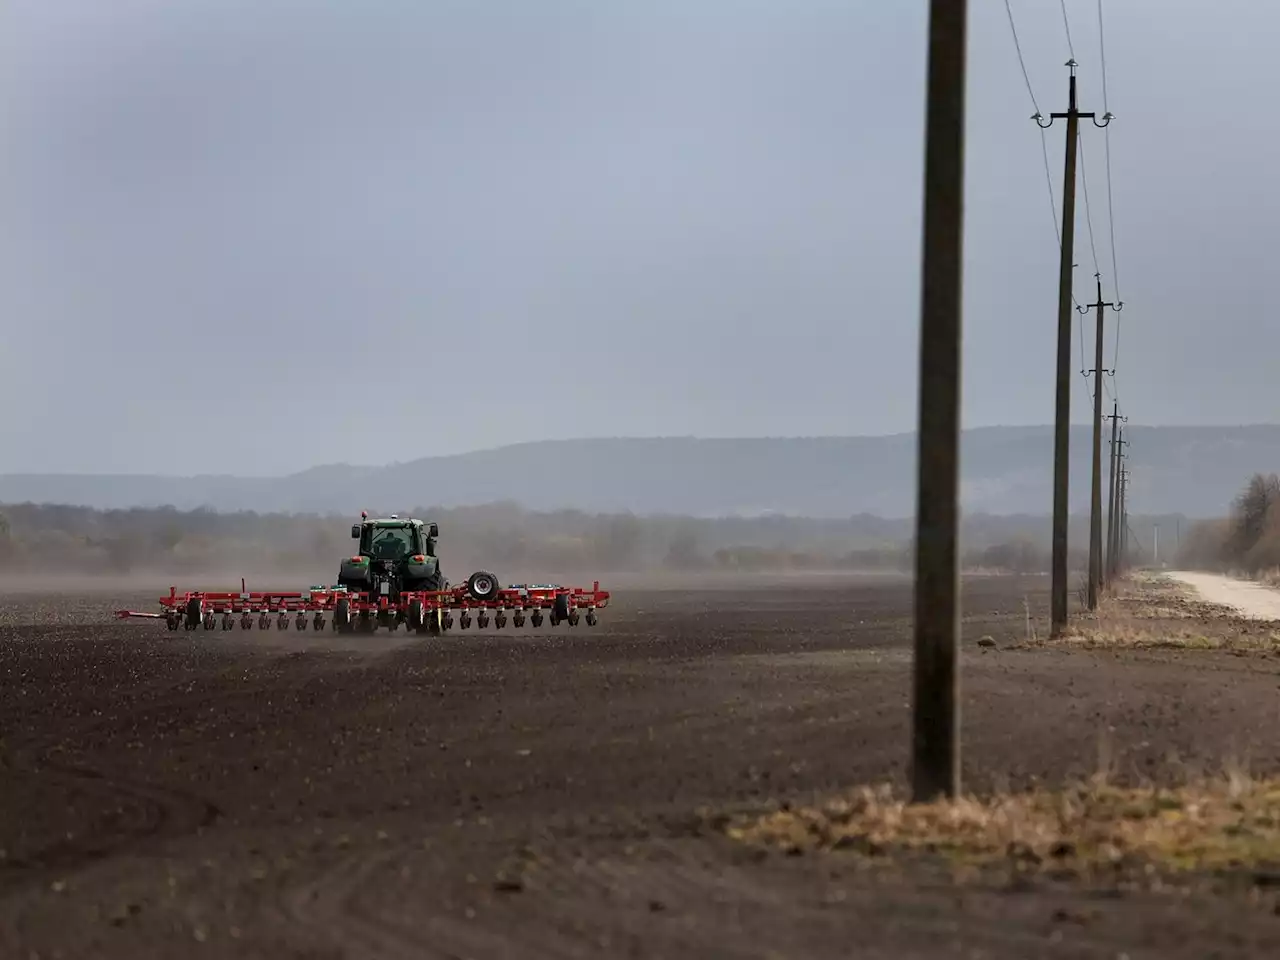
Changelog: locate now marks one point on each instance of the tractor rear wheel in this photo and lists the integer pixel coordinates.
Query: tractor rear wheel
(429, 584)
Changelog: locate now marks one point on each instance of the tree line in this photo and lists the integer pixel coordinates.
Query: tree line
(1247, 540)
(503, 537)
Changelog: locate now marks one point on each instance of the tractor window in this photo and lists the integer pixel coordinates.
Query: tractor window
(391, 543)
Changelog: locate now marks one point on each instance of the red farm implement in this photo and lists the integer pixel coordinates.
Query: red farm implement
(394, 579)
(430, 611)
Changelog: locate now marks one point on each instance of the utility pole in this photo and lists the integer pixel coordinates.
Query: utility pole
(1115, 419)
(1062, 415)
(1119, 518)
(935, 748)
(1124, 520)
(1120, 474)
(1095, 505)
(1155, 544)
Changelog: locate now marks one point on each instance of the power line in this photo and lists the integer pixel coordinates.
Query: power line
(1084, 177)
(1048, 179)
(1106, 140)
(1044, 143)
(1048, 173)
(1071, 48)
(1080, 326)
(1097, 272)
(1067, 24)
(1102, 50)
(1088, 212)
(1022, 63)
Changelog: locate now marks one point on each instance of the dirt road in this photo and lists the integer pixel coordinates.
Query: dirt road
(544, 794)
(1252, 601)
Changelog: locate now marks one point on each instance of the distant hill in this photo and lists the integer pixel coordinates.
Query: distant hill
(1195, 471)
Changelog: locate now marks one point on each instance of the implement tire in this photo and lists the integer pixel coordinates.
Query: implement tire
(417, 620)
(342, 615)
(484, 586)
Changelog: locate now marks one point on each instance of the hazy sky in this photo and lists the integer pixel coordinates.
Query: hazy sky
(254, 235)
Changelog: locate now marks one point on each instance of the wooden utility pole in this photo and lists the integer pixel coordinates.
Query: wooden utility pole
(1109, 567)
(1121, 456)
(935, 751)
(1095, 506)
(1124, 520)
(1062, 406)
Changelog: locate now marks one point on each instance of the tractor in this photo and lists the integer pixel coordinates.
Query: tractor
(398, 556)
(394, 578)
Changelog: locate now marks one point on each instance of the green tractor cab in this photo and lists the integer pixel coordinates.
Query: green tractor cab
(396, 557)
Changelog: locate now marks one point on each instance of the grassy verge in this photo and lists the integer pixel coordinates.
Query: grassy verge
(1226, 824)
(1152, 611)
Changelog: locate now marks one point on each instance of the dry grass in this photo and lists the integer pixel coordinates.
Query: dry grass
(1148, 610)
(1225, 824)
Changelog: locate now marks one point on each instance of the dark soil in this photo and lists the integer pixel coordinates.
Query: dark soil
(548, 793)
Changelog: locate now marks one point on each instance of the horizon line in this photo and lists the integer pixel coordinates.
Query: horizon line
(649, 438)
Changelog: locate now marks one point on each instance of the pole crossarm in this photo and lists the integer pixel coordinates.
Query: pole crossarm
(1071, 112)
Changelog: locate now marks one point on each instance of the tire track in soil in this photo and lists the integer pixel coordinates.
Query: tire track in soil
(697, 897)
(666, 886)
(162, 812)
(638, 900)
(335, 902)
